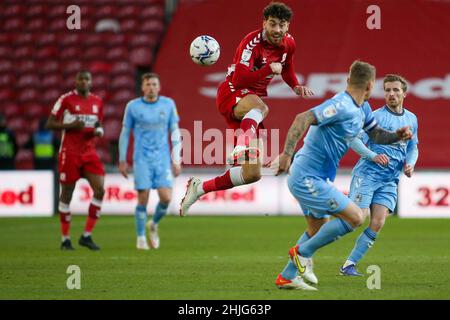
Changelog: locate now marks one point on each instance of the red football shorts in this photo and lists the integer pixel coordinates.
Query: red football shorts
(72, 165)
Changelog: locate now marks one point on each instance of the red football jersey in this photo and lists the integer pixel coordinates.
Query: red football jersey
(250, 68)
(87, 109)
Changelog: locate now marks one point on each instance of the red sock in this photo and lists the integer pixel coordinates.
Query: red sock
(64, 218)
(218, 183)
(94, 214)
(249, 126)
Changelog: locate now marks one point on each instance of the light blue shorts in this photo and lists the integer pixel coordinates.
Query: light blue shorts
(318, 198)
(365, 191)
(147, 176)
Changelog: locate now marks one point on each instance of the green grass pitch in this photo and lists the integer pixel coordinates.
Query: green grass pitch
(216, 258)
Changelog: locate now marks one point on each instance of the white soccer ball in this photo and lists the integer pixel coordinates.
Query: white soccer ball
(205, 50)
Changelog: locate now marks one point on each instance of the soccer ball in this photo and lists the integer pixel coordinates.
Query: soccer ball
(204, 50)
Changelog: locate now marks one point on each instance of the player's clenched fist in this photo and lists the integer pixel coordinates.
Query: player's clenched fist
(123, 168)
(404, 133)
(303, 91)
(381, 159)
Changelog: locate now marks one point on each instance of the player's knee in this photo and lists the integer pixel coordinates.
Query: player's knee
(357, 218)
(264, 109)
(377, 224)
(99, 192)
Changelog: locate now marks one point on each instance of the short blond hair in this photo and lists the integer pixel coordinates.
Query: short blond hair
(361, 73)
(396, 77)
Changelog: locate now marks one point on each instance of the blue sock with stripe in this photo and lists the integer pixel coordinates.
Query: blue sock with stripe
(160, 212)
(363, 243)
(290, 271)
(329, 232)
(141, 219)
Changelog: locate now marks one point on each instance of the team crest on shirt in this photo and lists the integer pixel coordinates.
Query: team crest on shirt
(264, 60)
(332, 203)
(329, 112)
(77, 108)
(94, 108)
(244, 91)
(162, 115)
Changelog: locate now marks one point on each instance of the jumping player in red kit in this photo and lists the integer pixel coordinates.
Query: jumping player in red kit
(261, 55)
(78, 114)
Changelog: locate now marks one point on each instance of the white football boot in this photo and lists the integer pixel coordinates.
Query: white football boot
(190, 196)
(294, 284)
(153, 236)
(141, 244)
(309, 273)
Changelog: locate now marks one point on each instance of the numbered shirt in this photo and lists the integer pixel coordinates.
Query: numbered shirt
(396, 152)
(72, 106)
(340, 119)
(151, 123)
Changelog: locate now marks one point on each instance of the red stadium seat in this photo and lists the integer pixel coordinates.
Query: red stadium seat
(49, 66)
(100, 80)
(123, 81)
(46, 39)
(23, 38)
(49, 52)
(150, 12)
(112, 129)
(72, 66)
(128, 11)
(92, 39)
(130, 25)
(105, 11)
(36, 24)
(22, 138)
(152, 25)
(94, 52)
(117, 53)
(24, 52)
(113, 111)
(11, 110)
(50, 96)
(17, 124)
(6, 66)
(116, 40)
(36, 10)
(69, 38)
(5, 52)
(58, 25)
(70, 53)
(121, 67)
(103, 152)
(141, 56)
(13, 24)
(7, 79)
(33, 110)
(28, 80)
(50, 80)
(121, 97)
(145, 39)
(13, 10)
(6, 94)
(25, 66)
(28, 95)
(24, 159)
(57, 11)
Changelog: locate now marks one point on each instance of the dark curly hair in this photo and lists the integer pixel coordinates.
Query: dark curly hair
(277, 10)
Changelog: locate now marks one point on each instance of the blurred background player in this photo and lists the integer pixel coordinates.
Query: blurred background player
(261, 55)
(79, 114)
(8, 146)
(374, 187)
(151, 117)
(332, 126)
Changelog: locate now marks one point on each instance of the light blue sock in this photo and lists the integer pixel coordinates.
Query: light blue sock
(160, 212)
(141, 219)
(329, 232)
(290, 271)
(363, 243)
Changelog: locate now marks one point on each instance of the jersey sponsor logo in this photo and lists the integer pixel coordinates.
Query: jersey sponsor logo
(329, 112)
(332, 203)
(245, 57)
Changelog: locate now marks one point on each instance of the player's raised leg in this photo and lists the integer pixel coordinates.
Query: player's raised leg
(248, 156)
(96, 182)
(64, 214)
(366, 239)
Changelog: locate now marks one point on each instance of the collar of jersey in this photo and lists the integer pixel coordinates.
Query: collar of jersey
(148, 102)
(359, 106)
(395, 113)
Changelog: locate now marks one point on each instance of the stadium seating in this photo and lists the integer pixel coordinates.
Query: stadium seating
(37, 67)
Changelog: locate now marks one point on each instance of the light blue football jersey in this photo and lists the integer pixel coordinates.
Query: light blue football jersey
(396, 152)
(150, 122)
(340, 120)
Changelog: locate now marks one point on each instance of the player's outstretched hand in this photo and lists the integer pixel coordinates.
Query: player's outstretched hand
(123, 168)
(176, 169)
(281, 164)
(404, 133)
(303, 91)
(276, 67)
(408, 170)
(381, 159)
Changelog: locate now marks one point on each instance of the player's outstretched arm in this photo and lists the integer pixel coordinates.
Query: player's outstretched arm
(360, 148)
(54, 124)
(296, 131)
(381, 136)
